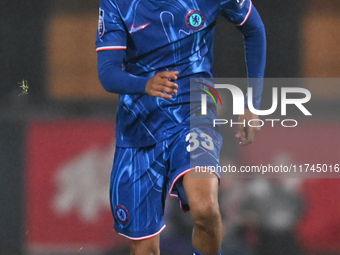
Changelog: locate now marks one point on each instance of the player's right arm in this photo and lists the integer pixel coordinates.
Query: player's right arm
(116, 80)
(111, 45)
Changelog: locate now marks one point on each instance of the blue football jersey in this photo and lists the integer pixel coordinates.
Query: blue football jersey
(162, 35)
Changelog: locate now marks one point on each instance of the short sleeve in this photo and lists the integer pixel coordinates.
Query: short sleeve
(237, 11)
(111, 33)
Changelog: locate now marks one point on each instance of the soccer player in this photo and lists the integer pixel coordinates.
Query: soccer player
(148, 51)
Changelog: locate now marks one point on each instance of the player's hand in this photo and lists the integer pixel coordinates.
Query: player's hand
(162, 82)
(246, 135)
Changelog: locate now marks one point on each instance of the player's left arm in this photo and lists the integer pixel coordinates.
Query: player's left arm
(255, 51)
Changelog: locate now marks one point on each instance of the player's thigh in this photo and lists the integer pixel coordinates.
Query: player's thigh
(198, 147)
(201, 183)
(194, 149)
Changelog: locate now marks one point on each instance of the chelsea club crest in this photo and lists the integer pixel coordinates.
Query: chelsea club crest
(122, 214)
(195, 19)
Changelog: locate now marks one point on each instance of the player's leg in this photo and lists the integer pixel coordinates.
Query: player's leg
(202, 195)
(199, 193)
(145, 247)
(137, 181)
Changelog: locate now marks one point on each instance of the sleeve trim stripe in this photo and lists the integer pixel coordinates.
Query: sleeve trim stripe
(111, 48)
(246, 18)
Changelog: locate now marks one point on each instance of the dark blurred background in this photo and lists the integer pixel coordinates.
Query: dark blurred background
(57, 142)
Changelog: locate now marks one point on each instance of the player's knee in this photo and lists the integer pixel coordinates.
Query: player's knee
(206, 214)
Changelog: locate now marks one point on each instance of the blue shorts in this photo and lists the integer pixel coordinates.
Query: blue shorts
(142, 177)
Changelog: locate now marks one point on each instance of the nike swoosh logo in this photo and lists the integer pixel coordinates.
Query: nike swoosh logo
(134, 29)
(199, 154)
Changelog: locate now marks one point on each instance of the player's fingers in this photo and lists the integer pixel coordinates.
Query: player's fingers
(161, 88)
(165, 85)
(161, 95)
(164, 82)
(241, 135)
(171, 87)
(169, 84)
(172, 75)
(158, 90)
(251, 132)
(243, 139)
(239, 130)
(248, 140)
(167, 89)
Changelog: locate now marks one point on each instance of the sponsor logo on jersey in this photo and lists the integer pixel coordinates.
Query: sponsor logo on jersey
(134, 29)
(241, 3)
(195, 20)
(122, 214)
(101, 24)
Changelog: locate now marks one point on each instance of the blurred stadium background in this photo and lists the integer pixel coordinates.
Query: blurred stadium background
(56, 143)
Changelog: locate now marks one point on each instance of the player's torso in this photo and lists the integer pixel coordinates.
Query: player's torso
(163, 35)
(167, 33)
